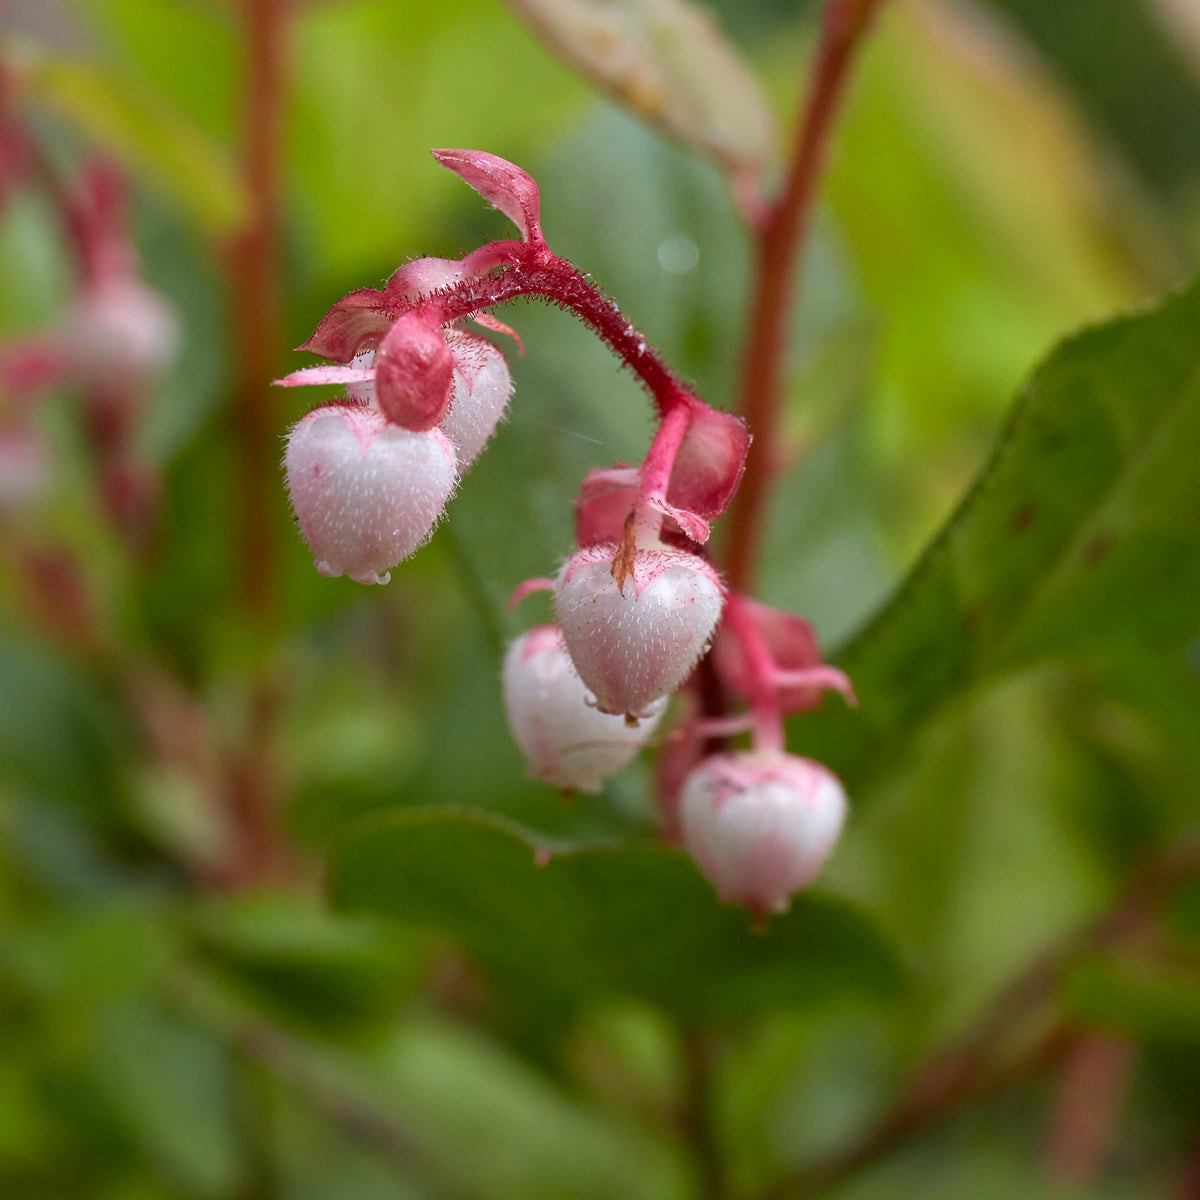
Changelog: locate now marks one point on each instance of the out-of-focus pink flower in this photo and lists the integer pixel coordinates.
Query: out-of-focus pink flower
(119, 333)
(366, 494)
(565, 739)
(760, 825)
(636, 643)
(24, 465)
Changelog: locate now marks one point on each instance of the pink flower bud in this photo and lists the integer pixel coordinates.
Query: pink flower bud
(635, 644)
(482, 386)
(25, 467)
(761, 825)
(120, 332)
(565, 739)
(366, 494)
(414, 373)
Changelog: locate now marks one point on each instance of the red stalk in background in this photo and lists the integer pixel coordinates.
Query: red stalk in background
(254, 262)
(781, 237)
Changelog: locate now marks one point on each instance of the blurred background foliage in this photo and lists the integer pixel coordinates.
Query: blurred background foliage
(458, 1022)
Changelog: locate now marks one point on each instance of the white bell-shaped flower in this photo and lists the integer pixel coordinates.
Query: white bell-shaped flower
(634, 644)
(482, 387)
(565, 739)
(366, 494)
(761, 825)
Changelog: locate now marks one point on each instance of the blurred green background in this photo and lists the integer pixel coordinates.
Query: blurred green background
(459, 1023)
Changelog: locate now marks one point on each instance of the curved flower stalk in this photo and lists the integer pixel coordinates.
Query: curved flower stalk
(638, 604)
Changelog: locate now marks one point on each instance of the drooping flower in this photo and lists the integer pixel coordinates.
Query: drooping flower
(422, 376)
(760, 825)
(635, 642)
(554, 720)
(366, 494)
(482, 387)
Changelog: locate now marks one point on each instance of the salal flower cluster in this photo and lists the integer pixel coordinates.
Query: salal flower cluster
(369, 476)
(637, 604)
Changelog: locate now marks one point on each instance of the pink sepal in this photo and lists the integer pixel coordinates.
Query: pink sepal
(499, 182)
(537, 584)
(354, 319)
(824, 677)
(606, 497)
(328, 374)
(795, 658)
(695, 527)
(414, 374)
(422, 277)
(708, 467)
(497, 326)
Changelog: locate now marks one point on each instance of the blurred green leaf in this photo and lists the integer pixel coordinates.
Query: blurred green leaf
(1110, 51)
(1142, 1000)
(173, 1088)
(139, 127)
(527, 1139)
(668, 62)
(304, 964)
(1083, 531)
(982, 219)
(634, 919)
(59, 733)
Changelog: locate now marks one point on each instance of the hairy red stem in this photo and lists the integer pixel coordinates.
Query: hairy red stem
(780, 243)
(532, 269)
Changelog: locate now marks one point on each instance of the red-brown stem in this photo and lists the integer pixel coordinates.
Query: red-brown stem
(780, 243)
(254, 280)
(254, 265)
(983, 1060)
(532, 269)
(1095, 1076)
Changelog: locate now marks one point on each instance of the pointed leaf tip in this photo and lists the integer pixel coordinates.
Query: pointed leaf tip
(500, 183)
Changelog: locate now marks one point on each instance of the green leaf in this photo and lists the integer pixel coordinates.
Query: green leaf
(1140, 999)
(139, 127)
(173, 1088)
(1081, 533)
(305, 965)
(635, 919)
(668, 62)
(60, 735)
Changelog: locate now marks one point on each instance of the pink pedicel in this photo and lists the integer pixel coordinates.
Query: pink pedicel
(565, 739)
(366, 494)
(762, 653)
(635, 644)
(760, 825)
